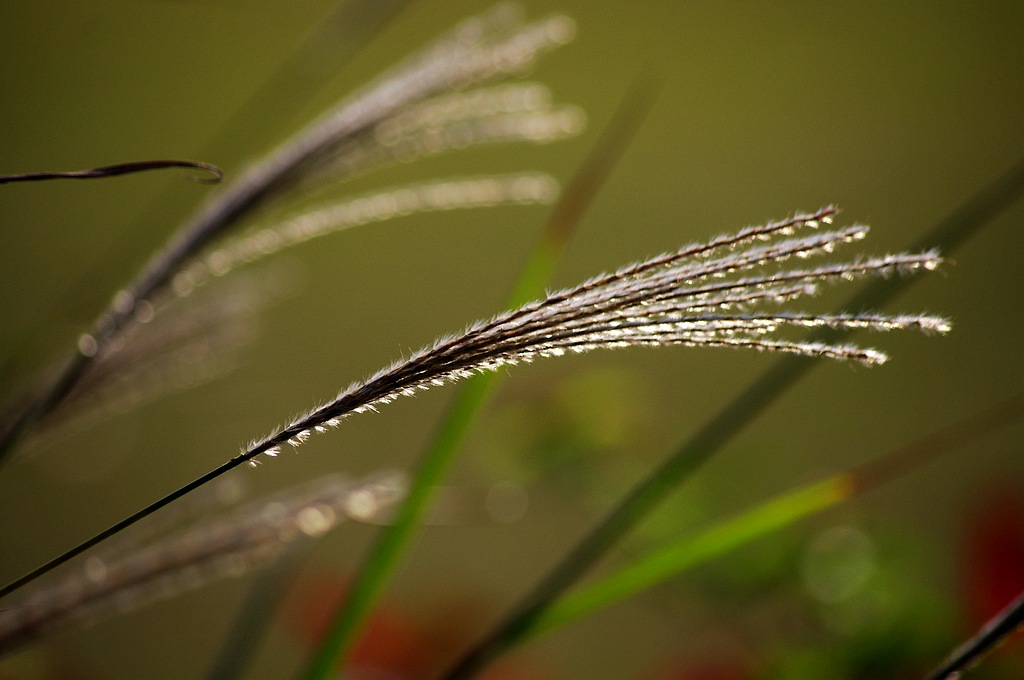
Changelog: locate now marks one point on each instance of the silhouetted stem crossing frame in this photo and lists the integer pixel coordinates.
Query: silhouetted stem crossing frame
(994, 632)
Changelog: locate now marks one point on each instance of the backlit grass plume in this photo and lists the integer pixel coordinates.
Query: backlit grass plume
(711, 294)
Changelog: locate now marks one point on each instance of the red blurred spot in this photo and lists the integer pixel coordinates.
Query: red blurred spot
(994, 554)
(391, 645)
(717, 670)
(513, 671)
(389, 642)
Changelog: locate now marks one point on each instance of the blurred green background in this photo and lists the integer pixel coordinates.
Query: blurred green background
(896, 112)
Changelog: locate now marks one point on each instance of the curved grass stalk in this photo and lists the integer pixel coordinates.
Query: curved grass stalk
(214, 174)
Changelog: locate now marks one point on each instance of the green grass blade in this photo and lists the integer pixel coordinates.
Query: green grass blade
(470, 400)
(772, 515)
(237, 653)
(393, 539)
(776, 513)
(662, 564)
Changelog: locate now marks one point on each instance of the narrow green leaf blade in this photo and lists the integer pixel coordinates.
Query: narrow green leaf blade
(669, 561)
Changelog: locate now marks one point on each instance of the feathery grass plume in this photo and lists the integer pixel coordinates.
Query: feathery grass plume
(490, 46)
(171, 347)
(485, 115)
(952, 231)
(695, 296)
(138, 570)
(527, 188)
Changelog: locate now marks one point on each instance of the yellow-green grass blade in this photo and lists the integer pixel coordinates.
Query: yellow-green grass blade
(773, 515)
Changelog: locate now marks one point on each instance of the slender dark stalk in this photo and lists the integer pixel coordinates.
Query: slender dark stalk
(122, 525)
(216, 174)
(950, 233)
(991, 635)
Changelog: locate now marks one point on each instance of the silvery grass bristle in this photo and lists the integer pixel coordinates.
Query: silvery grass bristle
(143, 567)
(482, 191)
(404, 139)
(522, 112)
(709, 294)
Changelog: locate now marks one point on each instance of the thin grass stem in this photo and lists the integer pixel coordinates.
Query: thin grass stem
(215, 174)
(995, 631)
